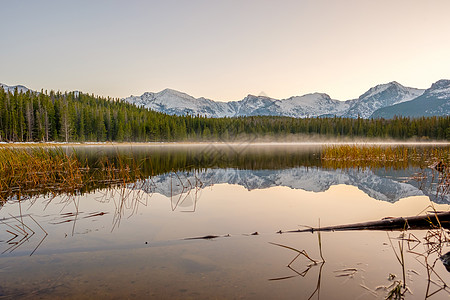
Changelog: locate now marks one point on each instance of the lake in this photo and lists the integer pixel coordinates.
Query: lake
(213, 221)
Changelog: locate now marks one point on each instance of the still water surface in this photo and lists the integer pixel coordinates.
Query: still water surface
(144, 240)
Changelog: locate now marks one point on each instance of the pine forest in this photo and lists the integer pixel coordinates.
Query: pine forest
(78, 117)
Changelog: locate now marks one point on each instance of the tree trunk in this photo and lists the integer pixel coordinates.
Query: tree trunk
(428, 221)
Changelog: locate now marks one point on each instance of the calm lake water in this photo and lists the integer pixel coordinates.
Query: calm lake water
(144, 240)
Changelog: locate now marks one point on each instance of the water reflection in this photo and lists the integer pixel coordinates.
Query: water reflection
(379, 185)
(174, 170)
(22, 229)
(185, 229)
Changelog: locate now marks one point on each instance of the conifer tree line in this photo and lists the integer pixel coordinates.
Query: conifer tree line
(77, 117)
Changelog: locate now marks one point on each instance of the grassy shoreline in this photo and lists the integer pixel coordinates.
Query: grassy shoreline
(40, 169)
(246, 143)
(36, 170)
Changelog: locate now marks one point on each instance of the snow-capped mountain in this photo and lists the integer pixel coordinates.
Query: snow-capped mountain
(254, 106)
(435, 101)
(11, 89)
(384, 100)
(310, 105)
(380, 96)
(24, 89)
(377, 185)
(177, 103)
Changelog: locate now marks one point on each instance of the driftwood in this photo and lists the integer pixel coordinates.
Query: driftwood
(429, 221)
(206, 237)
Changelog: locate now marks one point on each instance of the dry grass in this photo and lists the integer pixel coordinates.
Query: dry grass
(397, 157)
(31, 171)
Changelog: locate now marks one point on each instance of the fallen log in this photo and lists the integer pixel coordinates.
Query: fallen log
(429, 221)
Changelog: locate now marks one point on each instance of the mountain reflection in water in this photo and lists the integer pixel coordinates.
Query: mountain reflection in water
(175, 169)
(389, 187)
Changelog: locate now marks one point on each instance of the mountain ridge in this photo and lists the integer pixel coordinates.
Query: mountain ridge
(381, 101)
(435, 101)
(308, 105)
(12, 88)
(382, 95)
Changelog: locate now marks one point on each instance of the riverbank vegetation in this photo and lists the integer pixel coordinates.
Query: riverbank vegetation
(379, 156)
(77, 117)
(24, 171)
(436, 159)
(33, 171)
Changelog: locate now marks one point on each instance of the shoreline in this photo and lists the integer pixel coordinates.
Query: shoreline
(223, 143)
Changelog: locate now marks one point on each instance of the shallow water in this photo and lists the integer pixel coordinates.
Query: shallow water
(135, 241)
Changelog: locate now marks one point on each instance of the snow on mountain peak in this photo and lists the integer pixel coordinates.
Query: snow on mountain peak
(178, 103)
(175, 93)
(440, 89)
(309, 105)
(381, 88)
(374, 90)
(443, 83)
(435, 101)
(174, 102)
(11, 89)
(309, 98)
(380, 96)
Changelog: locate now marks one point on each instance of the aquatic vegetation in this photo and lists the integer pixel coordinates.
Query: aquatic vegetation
(433, 242)
(32, 171)
(312, 263)
(398, 288)
(379, 156)
(433, 163)
(28, 171)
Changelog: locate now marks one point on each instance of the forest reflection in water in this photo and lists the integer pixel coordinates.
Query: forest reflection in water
(200, 221)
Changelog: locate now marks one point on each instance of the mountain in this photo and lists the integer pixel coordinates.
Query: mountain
(177, 103)
(20, 88)
(384, 100)
(380, 96)
(254, 106)
(435, 101)
(312, 105)
(309, 105)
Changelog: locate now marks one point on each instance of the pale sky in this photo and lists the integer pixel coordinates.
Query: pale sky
(224, 50)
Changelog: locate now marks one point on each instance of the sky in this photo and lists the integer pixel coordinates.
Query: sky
(224, 50)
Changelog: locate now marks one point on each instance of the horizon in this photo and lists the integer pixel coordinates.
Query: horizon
(224, 50)
(260, 95)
